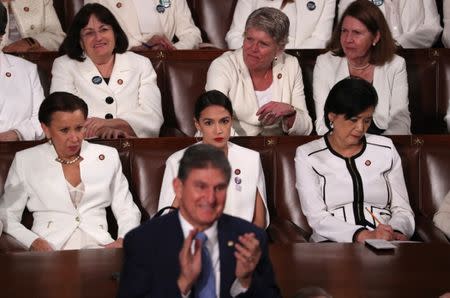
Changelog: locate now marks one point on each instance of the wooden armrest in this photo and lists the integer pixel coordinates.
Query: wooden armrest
(283, 230)
(10, 244)
(427, 231)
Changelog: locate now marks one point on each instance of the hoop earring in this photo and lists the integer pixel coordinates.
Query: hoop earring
(198, 136)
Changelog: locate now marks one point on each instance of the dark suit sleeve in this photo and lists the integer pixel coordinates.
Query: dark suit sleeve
(263, 280)
(136, 275)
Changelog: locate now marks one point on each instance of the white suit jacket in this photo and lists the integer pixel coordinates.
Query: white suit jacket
(446, 32)
(241, 192)
(37, 19)
(132, 86)
(419, 21)
(21, 95)
(176, 21)
(442, 217)
(36, 181)
(229, 74)
(326, 183)
(313, 27)
(389, 80)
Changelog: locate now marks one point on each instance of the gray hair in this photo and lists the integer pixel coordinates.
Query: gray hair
(272, 21)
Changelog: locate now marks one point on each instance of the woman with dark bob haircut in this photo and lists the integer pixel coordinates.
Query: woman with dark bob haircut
(362, 46)
(351, 183)
(246, 194)
(118, 86)
(67, 183)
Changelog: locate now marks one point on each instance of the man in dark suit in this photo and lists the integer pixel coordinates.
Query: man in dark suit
(164, 258)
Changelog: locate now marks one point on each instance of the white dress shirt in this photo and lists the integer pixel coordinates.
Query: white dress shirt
(212, 244)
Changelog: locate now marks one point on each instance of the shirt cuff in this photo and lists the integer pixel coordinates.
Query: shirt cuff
(237, 288)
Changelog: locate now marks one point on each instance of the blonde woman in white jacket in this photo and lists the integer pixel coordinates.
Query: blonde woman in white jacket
(310, 27)
(263, 83)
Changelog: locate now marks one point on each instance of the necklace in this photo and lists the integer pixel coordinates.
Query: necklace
(358, 67)
(68, 162)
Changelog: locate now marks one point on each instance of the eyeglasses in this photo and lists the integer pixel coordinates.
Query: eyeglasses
(90, 33)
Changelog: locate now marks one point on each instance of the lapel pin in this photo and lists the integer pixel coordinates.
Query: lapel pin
(237, 180)
(230, 243)
(119, 5)
(101, 157)
(120, 81)
(311, 5)
(237, 171)
(279, 76)
(8, 74)
(368, 163)
(97, 80)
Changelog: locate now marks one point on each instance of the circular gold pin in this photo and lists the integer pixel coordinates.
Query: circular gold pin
(120, 81)
(230, 243)
(101, 157)
(279, 76)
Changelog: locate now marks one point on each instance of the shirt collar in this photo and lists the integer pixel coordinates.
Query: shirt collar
(211, 232)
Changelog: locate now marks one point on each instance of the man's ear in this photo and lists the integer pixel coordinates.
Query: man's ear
(178, 188)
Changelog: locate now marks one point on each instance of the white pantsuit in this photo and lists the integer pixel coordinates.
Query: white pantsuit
(413, 23)
(37, 19)
(229, 74)
(131, 94)
(313, 22)
(247, 177)
(176, 20)
(36, 181)
(21, 95)
(442, 217)
(335, 190)
(389, 80)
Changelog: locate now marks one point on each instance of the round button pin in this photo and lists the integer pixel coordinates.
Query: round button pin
(101, 157)
(279, 76)
(237, 171)
(97, 80)
(311, 5)
(8, 74)
(237, 180)
(368, 163)
(160, 8)
(26, 9)
(378, 2)
(120, 81)
(109, 100)
(119, 5)
(109, 116)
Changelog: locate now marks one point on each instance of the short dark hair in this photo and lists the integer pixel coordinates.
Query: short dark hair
(60, 102)
(202, 156)
(212, 98)
(371, 16)
(3, 19)
(350, 97)
(71, 44)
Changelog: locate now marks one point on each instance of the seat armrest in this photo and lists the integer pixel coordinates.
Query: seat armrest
(10, 244)
(283, 230)
(427, 231)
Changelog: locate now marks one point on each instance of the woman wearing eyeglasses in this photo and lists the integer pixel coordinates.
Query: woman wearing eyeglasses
(118, 86)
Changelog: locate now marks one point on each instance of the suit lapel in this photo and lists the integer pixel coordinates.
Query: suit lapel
(88, 71)
(226, 254)
(120, 75)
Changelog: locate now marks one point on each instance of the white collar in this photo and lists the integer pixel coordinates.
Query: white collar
(211, 232)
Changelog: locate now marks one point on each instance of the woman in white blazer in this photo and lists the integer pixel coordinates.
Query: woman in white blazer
(362, 46)
(118, 86)
(20, 95)
(66, 184)
(153, 24)
(32, 26)
(310, 27)
(350, 183)
(413, 23)
(246, 193)
(263, 83)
